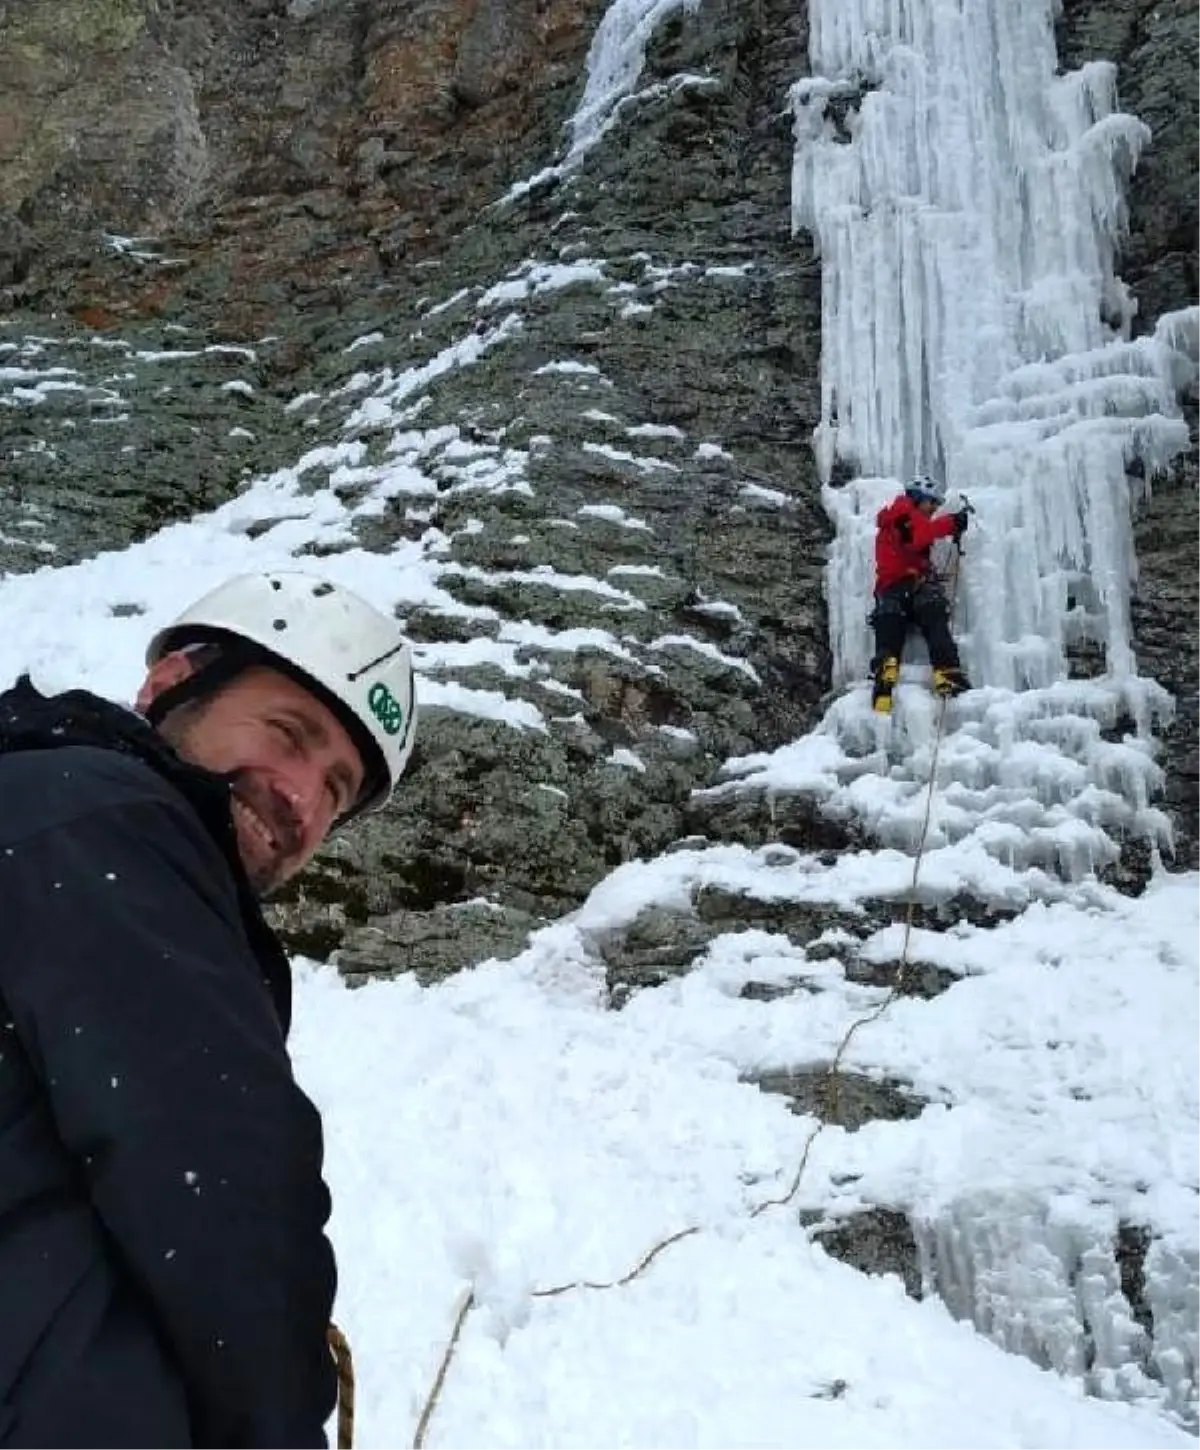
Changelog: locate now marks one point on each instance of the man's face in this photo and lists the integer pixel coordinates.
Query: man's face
(927, 507)
(292, 765)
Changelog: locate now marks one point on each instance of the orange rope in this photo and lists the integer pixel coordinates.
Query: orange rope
(343, 1359)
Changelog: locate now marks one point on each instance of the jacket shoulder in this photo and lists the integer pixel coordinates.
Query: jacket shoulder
(43, 790)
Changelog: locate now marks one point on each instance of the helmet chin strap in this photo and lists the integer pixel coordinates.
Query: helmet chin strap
(204, 681)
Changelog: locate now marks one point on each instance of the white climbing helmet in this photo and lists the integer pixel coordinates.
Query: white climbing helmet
(351, 657)
(924, 489)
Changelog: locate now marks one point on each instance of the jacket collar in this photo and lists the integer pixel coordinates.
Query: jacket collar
(30, 720)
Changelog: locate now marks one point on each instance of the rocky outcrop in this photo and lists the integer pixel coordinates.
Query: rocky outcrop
(100, 127)
(1155, 47)
(289, 152)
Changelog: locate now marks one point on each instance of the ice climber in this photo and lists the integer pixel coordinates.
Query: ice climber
(165, 1277)
(908, 590)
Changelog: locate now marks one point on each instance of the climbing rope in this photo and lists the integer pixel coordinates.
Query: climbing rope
(339, 1347)
(465, 1305)
(639, 1268)
(832, 1076)
(897, 988)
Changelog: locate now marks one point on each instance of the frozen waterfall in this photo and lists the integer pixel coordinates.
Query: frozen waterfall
(967, 201)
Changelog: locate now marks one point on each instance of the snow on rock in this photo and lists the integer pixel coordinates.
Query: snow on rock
(391, 389)
(622, 455)
(532, 277)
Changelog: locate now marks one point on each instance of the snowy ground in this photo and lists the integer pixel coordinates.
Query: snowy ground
(504, 1131)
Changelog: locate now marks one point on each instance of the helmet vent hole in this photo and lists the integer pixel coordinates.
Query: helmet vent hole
(276, 584)
(321, 590)
(279, 624)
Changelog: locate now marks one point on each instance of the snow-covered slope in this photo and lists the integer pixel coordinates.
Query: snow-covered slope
(505, 1132)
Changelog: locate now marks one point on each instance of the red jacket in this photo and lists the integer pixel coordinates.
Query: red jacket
(903, 541)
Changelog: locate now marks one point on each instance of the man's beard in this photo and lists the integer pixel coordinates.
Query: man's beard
(266, 864)
(254, 806)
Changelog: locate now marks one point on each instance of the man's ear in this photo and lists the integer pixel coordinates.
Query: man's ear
(162, 675)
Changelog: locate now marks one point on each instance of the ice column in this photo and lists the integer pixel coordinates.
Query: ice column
(1043, 1279)
(967, 201)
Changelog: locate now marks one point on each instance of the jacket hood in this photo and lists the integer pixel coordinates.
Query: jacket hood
(899, 506)
(30, 720)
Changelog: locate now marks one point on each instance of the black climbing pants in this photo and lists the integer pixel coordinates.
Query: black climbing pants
(923, 605)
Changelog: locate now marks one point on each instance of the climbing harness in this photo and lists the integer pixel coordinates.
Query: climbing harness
(467, 1301)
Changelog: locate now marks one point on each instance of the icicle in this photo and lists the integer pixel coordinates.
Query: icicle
(1045, 1282)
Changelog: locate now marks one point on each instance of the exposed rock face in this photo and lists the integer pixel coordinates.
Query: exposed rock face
(101, 123)
(1154, 45)
(281, 146)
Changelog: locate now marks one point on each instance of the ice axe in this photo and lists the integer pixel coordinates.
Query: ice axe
(966, 506)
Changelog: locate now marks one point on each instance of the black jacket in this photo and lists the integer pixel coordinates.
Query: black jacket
(165, 1279)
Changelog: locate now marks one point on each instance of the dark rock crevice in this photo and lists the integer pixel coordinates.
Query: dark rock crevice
(845, 1099)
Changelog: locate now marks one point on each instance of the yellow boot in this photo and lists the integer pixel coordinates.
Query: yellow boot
(885, 682)
(948, 682)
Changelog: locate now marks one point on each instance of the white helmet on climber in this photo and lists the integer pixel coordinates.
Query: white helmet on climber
(354, 659)
(923, 489)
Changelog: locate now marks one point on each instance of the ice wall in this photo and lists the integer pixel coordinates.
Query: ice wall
(967, 201)
(1045, 1280)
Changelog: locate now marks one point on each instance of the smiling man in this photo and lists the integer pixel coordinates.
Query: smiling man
(165, 1277)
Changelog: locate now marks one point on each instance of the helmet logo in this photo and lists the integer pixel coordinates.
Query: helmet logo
(386, 708)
